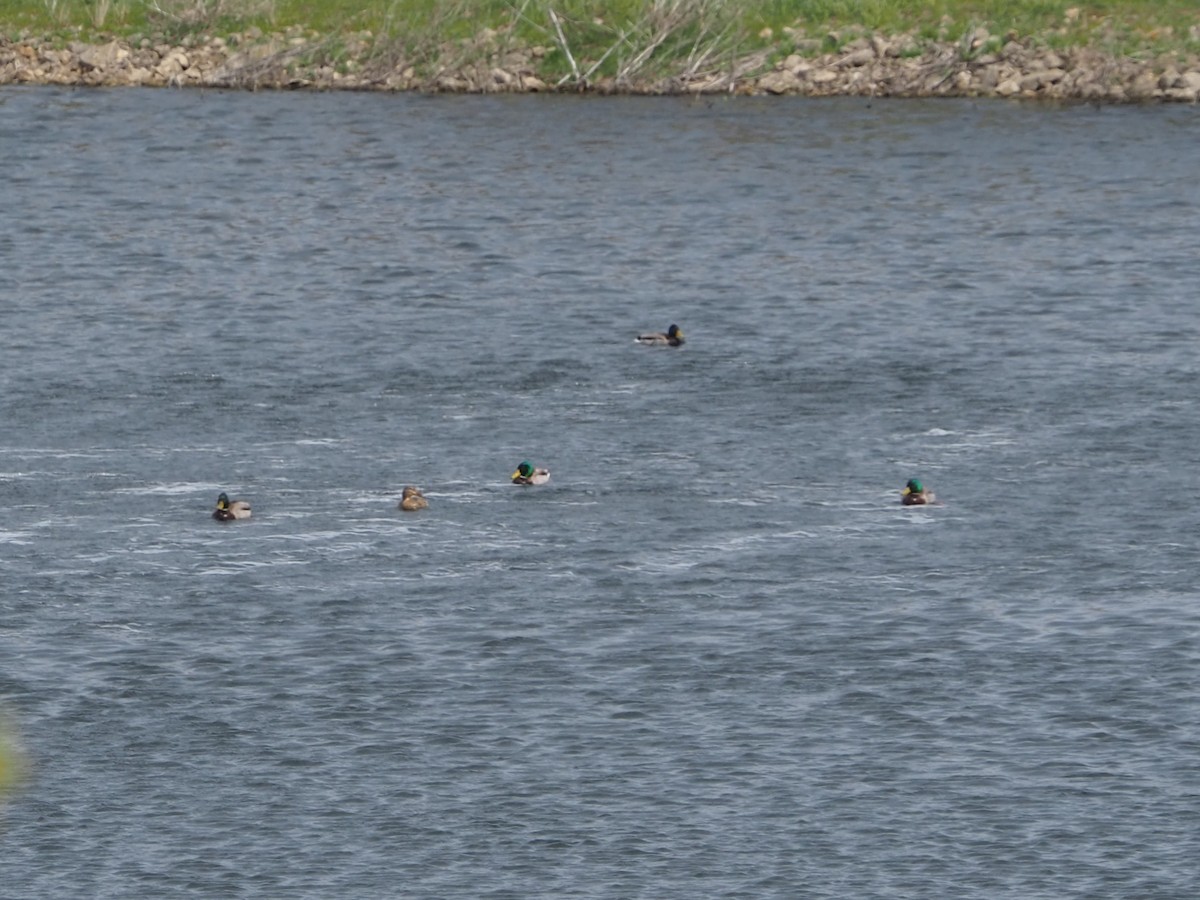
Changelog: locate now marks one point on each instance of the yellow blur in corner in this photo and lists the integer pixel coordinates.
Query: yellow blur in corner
(13, 764)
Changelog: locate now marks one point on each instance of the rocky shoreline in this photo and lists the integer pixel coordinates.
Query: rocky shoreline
(982, 65)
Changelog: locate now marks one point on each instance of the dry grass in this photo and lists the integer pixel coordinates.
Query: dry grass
(208, 15)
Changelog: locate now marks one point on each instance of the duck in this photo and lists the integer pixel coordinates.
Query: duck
(411, 499)
(227, 510)
(527, 474)
(915, 494)
(672, 337)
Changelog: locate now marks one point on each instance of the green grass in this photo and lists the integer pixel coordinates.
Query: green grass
(613, 34)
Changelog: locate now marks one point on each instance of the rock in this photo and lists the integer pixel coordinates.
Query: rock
(859, 82)
(172, 64)
(879, 65)
(988, 77)
(1036, 81)
(857, 57)
(783, 82)
(105, 57)
(1143, 86)
(933, 83)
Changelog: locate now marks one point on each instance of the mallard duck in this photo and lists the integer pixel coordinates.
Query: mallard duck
(673, 337)
(411, 499)
(227, 510)
(915, 494)
(527, 474)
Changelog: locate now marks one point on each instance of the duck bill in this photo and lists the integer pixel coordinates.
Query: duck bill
(906, 492)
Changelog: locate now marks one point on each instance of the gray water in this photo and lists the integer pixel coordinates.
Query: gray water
(714, 657)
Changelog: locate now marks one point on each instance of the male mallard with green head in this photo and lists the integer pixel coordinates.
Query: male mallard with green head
(227, 510)
(915, 494)
(411, 499)
(527, 474)
(672, 337)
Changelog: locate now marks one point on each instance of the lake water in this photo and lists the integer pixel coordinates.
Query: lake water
(714, 657)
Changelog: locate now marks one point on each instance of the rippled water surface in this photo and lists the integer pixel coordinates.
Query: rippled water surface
(714, 657)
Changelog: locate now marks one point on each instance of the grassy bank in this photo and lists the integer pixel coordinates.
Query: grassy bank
(591, 29)
(577, 43)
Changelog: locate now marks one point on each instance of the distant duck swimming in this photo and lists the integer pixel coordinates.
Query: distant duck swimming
(915, 494)
(411, 499)
(227, 510)
(527, 474)
(673, 337)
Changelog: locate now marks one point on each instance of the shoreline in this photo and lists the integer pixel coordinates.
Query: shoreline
(981, 65)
